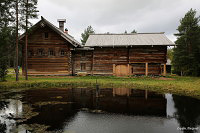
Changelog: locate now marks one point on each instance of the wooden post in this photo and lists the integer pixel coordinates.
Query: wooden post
(114, 69)
(128, 69)
(165, 72)
(146, 69)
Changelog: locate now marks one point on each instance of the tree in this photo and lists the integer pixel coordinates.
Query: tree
(28, 11)
(3, 68)
(187, 52)
(86, 33)
(17, 40)
(8, 27)
(170, 54)
(6, 14)
(5, 49)
(6, 35)
(134, 31)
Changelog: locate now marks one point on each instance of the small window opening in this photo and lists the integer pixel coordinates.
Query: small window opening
(62, 52)
(30, 53)
(46, 35)
(40, 52)
(51, 52)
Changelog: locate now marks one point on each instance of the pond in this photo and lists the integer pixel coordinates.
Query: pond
(104, 110)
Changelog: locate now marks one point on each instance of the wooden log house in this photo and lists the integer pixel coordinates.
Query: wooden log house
(52, 51)
(49, 49)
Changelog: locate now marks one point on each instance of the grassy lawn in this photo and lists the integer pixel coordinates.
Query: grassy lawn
(188, 86)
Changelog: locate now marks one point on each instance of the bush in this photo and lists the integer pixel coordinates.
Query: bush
(3, 68)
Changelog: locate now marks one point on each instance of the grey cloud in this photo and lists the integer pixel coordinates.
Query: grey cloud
(118, 15)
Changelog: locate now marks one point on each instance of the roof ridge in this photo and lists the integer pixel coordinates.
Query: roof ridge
(125, 33)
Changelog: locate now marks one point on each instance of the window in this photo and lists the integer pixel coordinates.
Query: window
(51, 52)
(62, 52)
(46, 35)
(40, 52)
(30, 53)
(83, 66)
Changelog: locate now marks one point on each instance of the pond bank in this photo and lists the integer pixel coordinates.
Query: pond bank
(188, 86)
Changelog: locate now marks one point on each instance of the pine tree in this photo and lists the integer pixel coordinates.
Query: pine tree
(170, 54)
(6, 14)
(86, 33)
(187, 52)
(8, 28)
(6, 35)
(27, 10)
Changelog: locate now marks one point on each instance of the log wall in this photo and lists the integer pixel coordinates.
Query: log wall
(80, 58)
(45, 64)
(101, 60)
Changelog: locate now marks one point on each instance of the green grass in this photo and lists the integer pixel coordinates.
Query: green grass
(188, 86)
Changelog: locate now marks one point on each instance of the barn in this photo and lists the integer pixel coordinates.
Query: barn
(123, 54)
(52, 51)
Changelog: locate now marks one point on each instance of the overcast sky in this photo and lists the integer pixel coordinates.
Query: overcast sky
(116, 16)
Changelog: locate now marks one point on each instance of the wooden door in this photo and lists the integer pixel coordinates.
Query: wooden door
(121, 70)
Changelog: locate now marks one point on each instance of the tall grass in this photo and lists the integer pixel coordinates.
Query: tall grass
(189, 86)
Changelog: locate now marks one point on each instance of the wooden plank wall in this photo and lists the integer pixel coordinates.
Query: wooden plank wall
(155, 54)
(79, 58)
(104, 58)
(48, 65)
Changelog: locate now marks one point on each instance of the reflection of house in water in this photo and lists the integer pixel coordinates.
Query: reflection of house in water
(131, 101)
(60, 110)
(119, 100)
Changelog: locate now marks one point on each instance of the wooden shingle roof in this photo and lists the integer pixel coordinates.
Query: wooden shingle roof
(117, 40)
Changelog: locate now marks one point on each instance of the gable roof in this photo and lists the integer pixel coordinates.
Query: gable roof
(67, 37)
(137, 39)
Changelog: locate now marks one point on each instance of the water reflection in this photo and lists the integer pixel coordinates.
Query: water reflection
(87, 110)
(9, 110)
(131, 101)
(188, 112)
